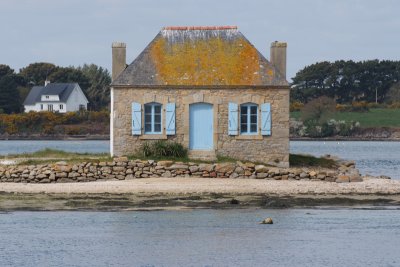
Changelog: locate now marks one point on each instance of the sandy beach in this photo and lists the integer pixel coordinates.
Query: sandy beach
(207, 186)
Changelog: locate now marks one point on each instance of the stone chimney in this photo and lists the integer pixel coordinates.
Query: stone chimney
(118, 59)
(278, 57)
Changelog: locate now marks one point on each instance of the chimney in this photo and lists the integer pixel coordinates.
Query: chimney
(118, 59)
(278, 57)
(46, 82)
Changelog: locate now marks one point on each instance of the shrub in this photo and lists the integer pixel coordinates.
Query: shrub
(162, 148)
(296, 106)
(318, 109)
(361, 106)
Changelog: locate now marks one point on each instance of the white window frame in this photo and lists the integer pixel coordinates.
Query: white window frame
(50, 107)
(61, 106)
(248, 123)
(152, 122)
(47, 96)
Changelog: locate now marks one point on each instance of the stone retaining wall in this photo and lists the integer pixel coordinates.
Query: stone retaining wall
(122, 169)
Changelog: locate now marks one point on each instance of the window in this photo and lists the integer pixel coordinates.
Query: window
(61, 106)
(248, 118)
(50, 107)
(47, 97)
(152, 118)
(41, 106)
(82, 107)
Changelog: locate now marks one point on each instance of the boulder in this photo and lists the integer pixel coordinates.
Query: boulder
(165, 163)
(206, 167)
(262, 175)
(193, 169)
(313, 173)
(260, 168)
(267, 221)
(179, 167)
(225, 167)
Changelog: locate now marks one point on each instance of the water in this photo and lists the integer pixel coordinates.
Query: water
(201, 238)
(373, 158)
(28, 146)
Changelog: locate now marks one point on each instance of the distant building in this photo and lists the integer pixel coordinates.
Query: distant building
(56, 97)
(207, 88)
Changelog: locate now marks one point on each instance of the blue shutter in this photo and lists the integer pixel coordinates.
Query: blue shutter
(136, 118)
(170, 118)
(266, 119)
(233, 119)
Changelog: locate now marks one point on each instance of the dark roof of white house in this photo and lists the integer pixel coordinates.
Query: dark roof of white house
(63, 90)
(200, 56)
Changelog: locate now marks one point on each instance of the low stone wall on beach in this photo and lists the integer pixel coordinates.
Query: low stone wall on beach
(122, 168)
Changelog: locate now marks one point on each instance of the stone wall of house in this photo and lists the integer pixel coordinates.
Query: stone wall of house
(272, 150)
(124, 169)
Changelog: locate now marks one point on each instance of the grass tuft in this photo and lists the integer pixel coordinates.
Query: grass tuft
(296, 160)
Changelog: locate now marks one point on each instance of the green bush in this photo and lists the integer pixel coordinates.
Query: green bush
(162, 148)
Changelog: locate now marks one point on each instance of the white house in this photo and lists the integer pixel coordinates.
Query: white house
(56, 97)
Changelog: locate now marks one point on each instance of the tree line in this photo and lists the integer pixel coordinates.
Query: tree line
(14, 87)
(348, 81)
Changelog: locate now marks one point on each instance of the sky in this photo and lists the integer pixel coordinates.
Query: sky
(74, 32)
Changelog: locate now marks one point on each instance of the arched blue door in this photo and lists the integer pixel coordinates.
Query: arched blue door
(201, 126)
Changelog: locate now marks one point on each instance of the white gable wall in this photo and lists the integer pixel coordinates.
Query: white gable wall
(76, 98)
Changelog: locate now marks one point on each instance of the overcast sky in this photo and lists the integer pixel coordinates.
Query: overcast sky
(73, 32)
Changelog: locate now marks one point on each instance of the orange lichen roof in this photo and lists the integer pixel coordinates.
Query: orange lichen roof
(200, 56)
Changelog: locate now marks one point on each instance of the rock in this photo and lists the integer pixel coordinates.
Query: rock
(165, 163)
(121, 159)
(193, 169)
(225, 167)
(304, 175)
(384, 177)
(249, 165)
(267, 221)
(260, 168)
(342, 179)
(234, 175)
(234, 201)
(61, 163)
(313, 173)
(262, 175)
(179, 167)
(239, 170)
(167, 174)
(119, 169)
(43, 181)
(321, 176)
(349, 163)
(206, 167)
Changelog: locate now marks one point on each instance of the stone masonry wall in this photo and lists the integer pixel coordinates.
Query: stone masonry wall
(272, 150)
(124, 169)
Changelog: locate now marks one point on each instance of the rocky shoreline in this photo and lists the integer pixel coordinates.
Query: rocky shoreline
(124, 169)
(192, 193)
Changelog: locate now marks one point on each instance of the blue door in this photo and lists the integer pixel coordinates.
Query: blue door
(201, 126)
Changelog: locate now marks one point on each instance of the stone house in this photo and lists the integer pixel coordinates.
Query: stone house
(207, 88)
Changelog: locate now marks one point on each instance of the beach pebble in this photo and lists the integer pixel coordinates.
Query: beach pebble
(267, 221)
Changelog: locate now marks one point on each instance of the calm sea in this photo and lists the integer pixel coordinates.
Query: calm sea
(201, 238)
(373, 158)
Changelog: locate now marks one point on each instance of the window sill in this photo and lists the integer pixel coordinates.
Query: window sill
(249, 137)
(153, 137)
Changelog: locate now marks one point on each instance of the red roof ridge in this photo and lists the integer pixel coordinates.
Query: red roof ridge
(187, 28)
